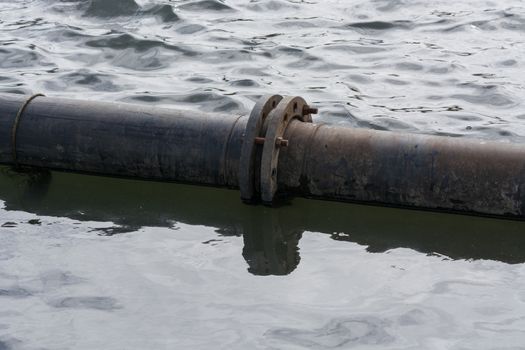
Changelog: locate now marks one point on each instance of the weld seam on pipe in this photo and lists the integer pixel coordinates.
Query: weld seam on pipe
(227, 149)
(309, 146)
(16, 123)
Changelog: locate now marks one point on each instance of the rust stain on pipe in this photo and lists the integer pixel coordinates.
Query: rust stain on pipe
(402, 169)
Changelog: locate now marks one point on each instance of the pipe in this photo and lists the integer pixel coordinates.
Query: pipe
(277, 150)
(122, 140)
(399, 169)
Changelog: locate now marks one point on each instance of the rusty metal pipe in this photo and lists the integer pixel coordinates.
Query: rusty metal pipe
(399, 169)
(319, 161)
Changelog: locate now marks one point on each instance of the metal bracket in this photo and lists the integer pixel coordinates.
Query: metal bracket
(253, 135)
(288, 109)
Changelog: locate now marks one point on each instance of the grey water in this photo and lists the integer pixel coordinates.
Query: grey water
(101, 263)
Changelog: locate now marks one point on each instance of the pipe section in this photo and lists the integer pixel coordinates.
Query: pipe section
(275, 150)
(399, 169)
(122, 140)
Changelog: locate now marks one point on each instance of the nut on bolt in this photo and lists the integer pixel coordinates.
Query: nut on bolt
(259, 140)
(309, 110)
(280, 142)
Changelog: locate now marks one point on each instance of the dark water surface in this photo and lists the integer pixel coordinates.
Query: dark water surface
(98, 263)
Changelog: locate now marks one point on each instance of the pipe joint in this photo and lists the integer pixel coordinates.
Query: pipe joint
(263, 139)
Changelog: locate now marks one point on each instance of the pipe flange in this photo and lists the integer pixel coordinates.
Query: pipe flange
(288, 109)
(253, 132)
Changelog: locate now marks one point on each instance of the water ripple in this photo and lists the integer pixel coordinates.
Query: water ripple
(209, 5)
(338, 334)
(402, 57)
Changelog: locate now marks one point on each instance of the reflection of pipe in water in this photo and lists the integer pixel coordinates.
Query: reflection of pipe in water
(268, 248)
(271, 235)
(35, 182)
